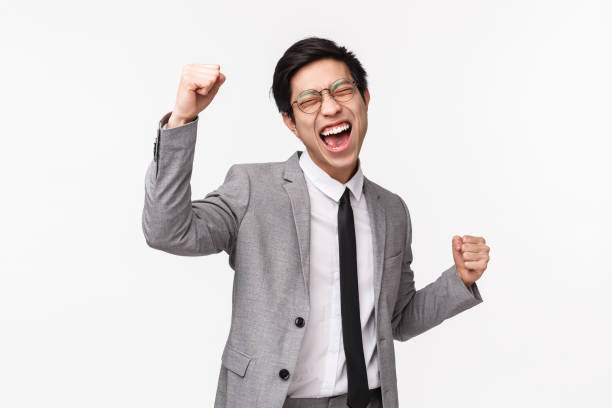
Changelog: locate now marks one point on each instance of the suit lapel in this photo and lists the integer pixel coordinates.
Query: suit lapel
(378, 224)
(300, 205)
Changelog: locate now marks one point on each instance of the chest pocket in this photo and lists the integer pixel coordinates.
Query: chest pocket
(392, 261)
(392, 272)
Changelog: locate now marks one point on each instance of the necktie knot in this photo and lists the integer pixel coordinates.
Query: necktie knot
(345, 196)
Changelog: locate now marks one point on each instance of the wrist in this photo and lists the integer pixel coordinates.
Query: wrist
(467, 284)
(176, 120)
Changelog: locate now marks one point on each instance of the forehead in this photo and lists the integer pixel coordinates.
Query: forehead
(318, 75)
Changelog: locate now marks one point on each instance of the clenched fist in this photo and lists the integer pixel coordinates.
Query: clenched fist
(471, 256)
(198, 86)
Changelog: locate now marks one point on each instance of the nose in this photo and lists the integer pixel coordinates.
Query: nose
(330, 108)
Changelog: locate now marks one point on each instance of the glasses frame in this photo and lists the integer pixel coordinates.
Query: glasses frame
(320, 93)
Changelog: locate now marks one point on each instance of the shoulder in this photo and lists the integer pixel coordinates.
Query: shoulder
(260, 171)
(393, 202)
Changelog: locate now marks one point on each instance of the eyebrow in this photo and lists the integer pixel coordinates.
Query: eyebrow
(306, 92)
(312, 89)
(337, 85)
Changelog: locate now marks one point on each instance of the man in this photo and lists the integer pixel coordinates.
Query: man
(321, 254)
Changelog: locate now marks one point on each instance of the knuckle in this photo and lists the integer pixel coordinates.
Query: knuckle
(188, 77)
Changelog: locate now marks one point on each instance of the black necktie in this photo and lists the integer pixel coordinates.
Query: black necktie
(358, 391)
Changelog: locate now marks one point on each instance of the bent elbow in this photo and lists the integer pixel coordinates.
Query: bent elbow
(155, 241)
(154, 236)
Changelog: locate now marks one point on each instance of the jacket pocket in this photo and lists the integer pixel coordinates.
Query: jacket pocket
(235, 360)
(390, 260)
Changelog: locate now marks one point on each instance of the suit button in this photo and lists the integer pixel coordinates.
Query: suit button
(299, 322)
(284, 374)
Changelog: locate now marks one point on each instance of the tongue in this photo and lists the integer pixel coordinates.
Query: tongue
(337, 139)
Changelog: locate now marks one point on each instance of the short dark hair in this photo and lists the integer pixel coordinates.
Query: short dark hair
(304, 52)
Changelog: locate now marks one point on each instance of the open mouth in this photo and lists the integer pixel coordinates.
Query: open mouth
(336, 138)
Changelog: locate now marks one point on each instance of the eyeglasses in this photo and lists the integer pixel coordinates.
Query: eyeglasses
(341, 90)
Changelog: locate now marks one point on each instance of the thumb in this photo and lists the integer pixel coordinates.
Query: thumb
(457, 256)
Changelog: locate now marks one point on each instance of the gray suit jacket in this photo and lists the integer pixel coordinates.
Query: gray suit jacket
(260, 216)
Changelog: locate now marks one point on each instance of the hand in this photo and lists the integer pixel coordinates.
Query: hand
(198, 86)
(471, 256)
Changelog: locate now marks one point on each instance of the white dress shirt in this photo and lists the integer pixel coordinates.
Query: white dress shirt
(321, 365)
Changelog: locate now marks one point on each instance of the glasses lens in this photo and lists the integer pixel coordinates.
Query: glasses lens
(309, 102)
(343, 90)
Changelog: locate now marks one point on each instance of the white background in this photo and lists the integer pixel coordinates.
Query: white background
(489, 118)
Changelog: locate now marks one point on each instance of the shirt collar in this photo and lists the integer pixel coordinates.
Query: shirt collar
(328, 185)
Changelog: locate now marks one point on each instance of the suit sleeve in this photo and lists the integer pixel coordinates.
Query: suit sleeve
(417, 311)
(171, 221)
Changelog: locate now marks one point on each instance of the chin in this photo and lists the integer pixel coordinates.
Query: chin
(344, 161)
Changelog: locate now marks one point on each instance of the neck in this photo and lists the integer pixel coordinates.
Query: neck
(340, 174)
(343, 176)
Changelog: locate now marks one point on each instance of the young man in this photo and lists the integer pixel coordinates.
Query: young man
(321, 254)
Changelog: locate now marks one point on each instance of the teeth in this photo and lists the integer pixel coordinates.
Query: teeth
(335, 130)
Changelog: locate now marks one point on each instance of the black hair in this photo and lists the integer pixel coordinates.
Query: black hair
(304, 52)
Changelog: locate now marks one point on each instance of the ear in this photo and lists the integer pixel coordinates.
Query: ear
(366, 95)
(289, 123)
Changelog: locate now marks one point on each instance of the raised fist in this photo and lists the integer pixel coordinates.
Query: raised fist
(198, 86)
